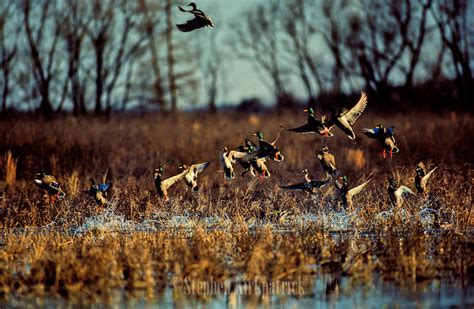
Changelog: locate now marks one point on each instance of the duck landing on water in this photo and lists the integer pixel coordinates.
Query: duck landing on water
(200, 19)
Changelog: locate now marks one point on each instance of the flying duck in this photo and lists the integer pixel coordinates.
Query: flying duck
(307, 185)
(162, 185)
(252, 163)
(200, 19)
(421, 177)
(98, 192)
(249, 147)
(50, 185)
(397, 194)
(227, 159)
(344, 119)
(312, 125)
(266, 149)
(385, 136)
(192, 173)
(328, 162)
(347, 194)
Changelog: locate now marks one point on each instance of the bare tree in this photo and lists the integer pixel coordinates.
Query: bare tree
(42, 51)
(9, 32)
(172, 89)
(300, 32)
(74, 22)
(150, 23)
(257, 40)
(452, 21)
(115, 43)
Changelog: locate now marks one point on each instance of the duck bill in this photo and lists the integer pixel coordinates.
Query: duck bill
(325, 133)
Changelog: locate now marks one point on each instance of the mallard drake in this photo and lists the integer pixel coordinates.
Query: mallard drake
(307, 185)
(266, 149)
(344, 119)
(250, 163)
(50, 185)
(200, 19)
(312, 125)
(192, 173)
(421, 177)
(385, 136)
(347, 194)
(397, 194)
(98, 192)
(162, 185)
(328, 162)
(228, 160)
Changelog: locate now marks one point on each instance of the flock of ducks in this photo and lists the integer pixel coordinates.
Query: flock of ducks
(252, 158)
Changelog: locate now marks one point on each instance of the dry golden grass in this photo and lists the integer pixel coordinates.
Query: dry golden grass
(229, 229)
(10, 168)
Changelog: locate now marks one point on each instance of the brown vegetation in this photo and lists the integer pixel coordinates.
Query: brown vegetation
(247, 227)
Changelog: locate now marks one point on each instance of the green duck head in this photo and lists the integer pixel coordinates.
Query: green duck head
(309, 110)
(158, 172)
(250, 146)
(342, 180)
(259, 134)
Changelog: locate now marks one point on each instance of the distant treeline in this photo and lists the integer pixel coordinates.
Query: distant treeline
(103, 56)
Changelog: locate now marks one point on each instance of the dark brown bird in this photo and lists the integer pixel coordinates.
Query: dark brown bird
(328, 162)
(200, 19)
(308, 185)
(385, 135)
(312, 125)
(98, 192)
(50, 185)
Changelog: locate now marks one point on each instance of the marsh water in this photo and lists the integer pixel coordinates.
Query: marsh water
(323, 294)
(320, 290)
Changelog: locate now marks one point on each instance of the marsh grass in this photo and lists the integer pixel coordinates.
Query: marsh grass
(249, 228)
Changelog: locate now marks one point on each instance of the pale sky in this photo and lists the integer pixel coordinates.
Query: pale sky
(241, 79)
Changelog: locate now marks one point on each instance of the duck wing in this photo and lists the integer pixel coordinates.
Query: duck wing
(391, 131)
(304, 129)
(235, 155)
(318, 184)
(402, 192)
(354, 191)
(371, 133)
(351, 115)
(197, 22)
(49, 180)
(199, 167)
(168, 182)
(425, 178)
(104, 187)
(296, 186)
